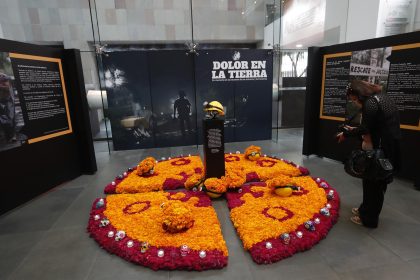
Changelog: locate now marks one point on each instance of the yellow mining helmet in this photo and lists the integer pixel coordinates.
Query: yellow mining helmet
(215, 106)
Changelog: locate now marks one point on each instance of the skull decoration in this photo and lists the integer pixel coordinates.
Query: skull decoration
(184, 250)
(309, 225)
(325, 211)
(120, 235)
(285, 237)
(144, 247)
(104, 223)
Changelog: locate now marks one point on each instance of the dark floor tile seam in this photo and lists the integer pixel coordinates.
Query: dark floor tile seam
(369, 267)
(386, 247)
(341, 274)
(414, 220)
(28, 253)
(51, 228)
(92, 264)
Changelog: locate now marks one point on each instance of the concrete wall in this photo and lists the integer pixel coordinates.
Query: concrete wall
(68, 22)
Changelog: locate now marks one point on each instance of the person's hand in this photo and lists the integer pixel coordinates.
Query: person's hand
(340, 137)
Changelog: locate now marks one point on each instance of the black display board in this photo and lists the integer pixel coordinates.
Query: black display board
(156, 98)
(392, 62)
(45, 134)
(214, 148)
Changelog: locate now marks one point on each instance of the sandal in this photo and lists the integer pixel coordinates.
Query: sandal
(356, 220)
(355, 211)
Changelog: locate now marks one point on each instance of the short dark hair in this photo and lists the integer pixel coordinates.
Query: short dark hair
(182, 93)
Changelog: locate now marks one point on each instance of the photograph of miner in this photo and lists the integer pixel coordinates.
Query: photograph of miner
(175, 118)
(182, 111)
(173, 98)
(371, 66)
(11, 117)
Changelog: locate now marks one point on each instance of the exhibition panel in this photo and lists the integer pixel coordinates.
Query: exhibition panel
(39, 126)
(155, 96)
(390, 62)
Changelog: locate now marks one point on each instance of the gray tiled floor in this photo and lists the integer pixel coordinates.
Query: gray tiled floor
(46, 238)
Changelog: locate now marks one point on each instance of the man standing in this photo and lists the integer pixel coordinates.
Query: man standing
(183, 106)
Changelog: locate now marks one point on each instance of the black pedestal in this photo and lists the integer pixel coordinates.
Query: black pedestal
(214, 148)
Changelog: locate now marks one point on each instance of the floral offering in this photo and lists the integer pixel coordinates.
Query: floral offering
(130, 226)
(168, 174)
(253, 153)
(146, 166)
(177, 216)
(263, 218)
(215, 187)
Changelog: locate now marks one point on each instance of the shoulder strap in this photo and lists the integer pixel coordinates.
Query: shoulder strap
(380, 111)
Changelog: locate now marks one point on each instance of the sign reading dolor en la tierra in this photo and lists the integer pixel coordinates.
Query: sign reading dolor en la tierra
(239, 70)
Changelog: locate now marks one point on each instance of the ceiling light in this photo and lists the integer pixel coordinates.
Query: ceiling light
(299, 45)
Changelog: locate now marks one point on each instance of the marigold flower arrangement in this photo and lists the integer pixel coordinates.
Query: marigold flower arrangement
(279, 181)
(216, 185)
(146, 242)
(277, 213)
(168, 174)
(253, 153)
(263, 168)
(261, 218)
(235, 177)
(194, 181)
(177, 217)
(146, 166)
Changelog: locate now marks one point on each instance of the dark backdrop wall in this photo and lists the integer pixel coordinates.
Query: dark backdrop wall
(319, 133)
(156, 97)
(30, 169)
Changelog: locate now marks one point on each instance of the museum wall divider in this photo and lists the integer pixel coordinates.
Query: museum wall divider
(393, 62)
(155, 97)
(45, 136)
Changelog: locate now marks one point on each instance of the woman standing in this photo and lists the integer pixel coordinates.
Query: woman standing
(379, 128)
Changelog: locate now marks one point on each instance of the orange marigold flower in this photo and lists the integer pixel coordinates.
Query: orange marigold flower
(194, 180)
(216, 185)
(163, 170)
(144, 218)
(280, 181)
(268, 216)
(146, 166)
(177, 217)
(253, 152)
(235, 177)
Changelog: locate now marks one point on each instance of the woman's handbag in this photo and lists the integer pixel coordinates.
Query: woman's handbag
(370, 165)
